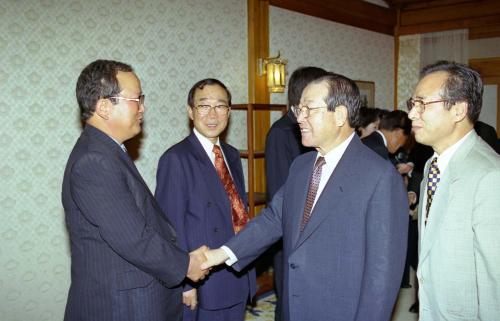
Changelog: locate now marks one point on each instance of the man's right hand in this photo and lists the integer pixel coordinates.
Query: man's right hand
(214, 257)
(196, 258)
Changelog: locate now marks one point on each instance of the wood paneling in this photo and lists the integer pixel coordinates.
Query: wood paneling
(482, 17)
(489, 68)
(355, 13)
(258, 47)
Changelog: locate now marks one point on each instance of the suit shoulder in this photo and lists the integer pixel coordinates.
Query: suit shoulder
(371, 158)
(176, 149)
(483, 157)
(229, 148)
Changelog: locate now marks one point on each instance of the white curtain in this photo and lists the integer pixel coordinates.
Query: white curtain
(447, 45)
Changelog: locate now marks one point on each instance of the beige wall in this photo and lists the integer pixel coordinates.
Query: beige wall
(356, 53)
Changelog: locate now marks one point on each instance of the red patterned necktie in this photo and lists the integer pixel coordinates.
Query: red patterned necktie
(238, 210)
(432, 181)
(312, 190)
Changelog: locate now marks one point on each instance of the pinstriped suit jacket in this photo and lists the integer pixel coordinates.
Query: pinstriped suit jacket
(459, 248)
(123, 249)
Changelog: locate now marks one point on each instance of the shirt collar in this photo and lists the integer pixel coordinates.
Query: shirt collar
(207, 144)
(122, 146)
(445, 157)
(335, 154)
(383, 137)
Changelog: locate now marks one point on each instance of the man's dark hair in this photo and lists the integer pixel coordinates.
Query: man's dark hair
(342, 91)
(367, 116)
(464, 84)
(299, 79)
(207, 82)
(396, 119)
(96, 81)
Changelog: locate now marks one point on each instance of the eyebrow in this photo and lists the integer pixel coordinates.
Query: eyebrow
(218, 100)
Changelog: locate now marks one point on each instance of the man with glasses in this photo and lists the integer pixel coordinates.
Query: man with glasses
(124, 255)
(459, 212)
(342, 213)
(282, 147)
(201, 188)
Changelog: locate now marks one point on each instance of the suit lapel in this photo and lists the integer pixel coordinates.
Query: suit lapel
(233, 163)
(210, 176)
(441, 198)
(333, 190)
(299, 196)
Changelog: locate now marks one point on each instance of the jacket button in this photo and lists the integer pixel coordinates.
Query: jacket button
(209, 204)
(216, 230)
(293, 266)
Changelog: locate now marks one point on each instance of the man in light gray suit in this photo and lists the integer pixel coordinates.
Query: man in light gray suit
(459, 215)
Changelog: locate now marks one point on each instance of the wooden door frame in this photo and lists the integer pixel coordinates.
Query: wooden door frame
(489, 68)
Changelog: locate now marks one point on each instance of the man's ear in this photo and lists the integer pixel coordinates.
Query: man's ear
(190, 111)
(459, 111)
(103, 108)
(341, 115)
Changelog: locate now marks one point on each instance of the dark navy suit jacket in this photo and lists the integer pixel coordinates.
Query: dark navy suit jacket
(283, 144)
(192, 196)
(123, 248)
(376, 142)
(348, 262)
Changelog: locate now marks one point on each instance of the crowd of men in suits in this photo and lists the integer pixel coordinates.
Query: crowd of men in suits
(340, 209)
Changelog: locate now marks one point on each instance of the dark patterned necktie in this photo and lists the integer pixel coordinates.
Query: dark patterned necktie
(312, 190)
(238, 210)
(432, 181)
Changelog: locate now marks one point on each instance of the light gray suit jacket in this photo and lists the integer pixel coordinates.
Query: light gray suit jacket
(459, 248)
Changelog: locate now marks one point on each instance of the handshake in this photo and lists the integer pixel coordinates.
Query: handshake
(202, 260)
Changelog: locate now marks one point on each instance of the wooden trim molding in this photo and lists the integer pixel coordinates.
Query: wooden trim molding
(489, 68)
(258, 47)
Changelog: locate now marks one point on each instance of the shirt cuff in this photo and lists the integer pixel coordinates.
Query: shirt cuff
(232, 258)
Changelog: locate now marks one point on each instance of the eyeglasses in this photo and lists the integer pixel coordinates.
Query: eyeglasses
(297, 110)
(221, 110)
(419, 104)
(139, 100)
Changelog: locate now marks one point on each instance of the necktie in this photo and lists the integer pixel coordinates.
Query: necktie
(312, 190)
(432, 181)
(238, 210)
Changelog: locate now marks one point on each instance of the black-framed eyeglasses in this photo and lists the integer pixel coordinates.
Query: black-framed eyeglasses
(204, 110)
(306, 110)
(419, 104)
(139, 100)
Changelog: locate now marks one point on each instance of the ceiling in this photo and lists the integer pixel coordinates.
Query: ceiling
(403, 17)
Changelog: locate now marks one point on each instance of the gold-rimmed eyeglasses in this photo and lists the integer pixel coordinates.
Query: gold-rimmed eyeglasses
(204, 110)
(139, 100)
(306, 110)
(419, 104)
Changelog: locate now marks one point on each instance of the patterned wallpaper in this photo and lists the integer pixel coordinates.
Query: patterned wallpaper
(408, 68)
(356, 53)
(44, 44)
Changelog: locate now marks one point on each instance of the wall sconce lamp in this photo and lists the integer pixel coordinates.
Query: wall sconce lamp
(275, 70)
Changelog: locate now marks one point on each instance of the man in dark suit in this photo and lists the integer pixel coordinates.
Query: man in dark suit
(124, 255)
(394, 129)
(201, 206)
(342, 214)
(282, 146)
